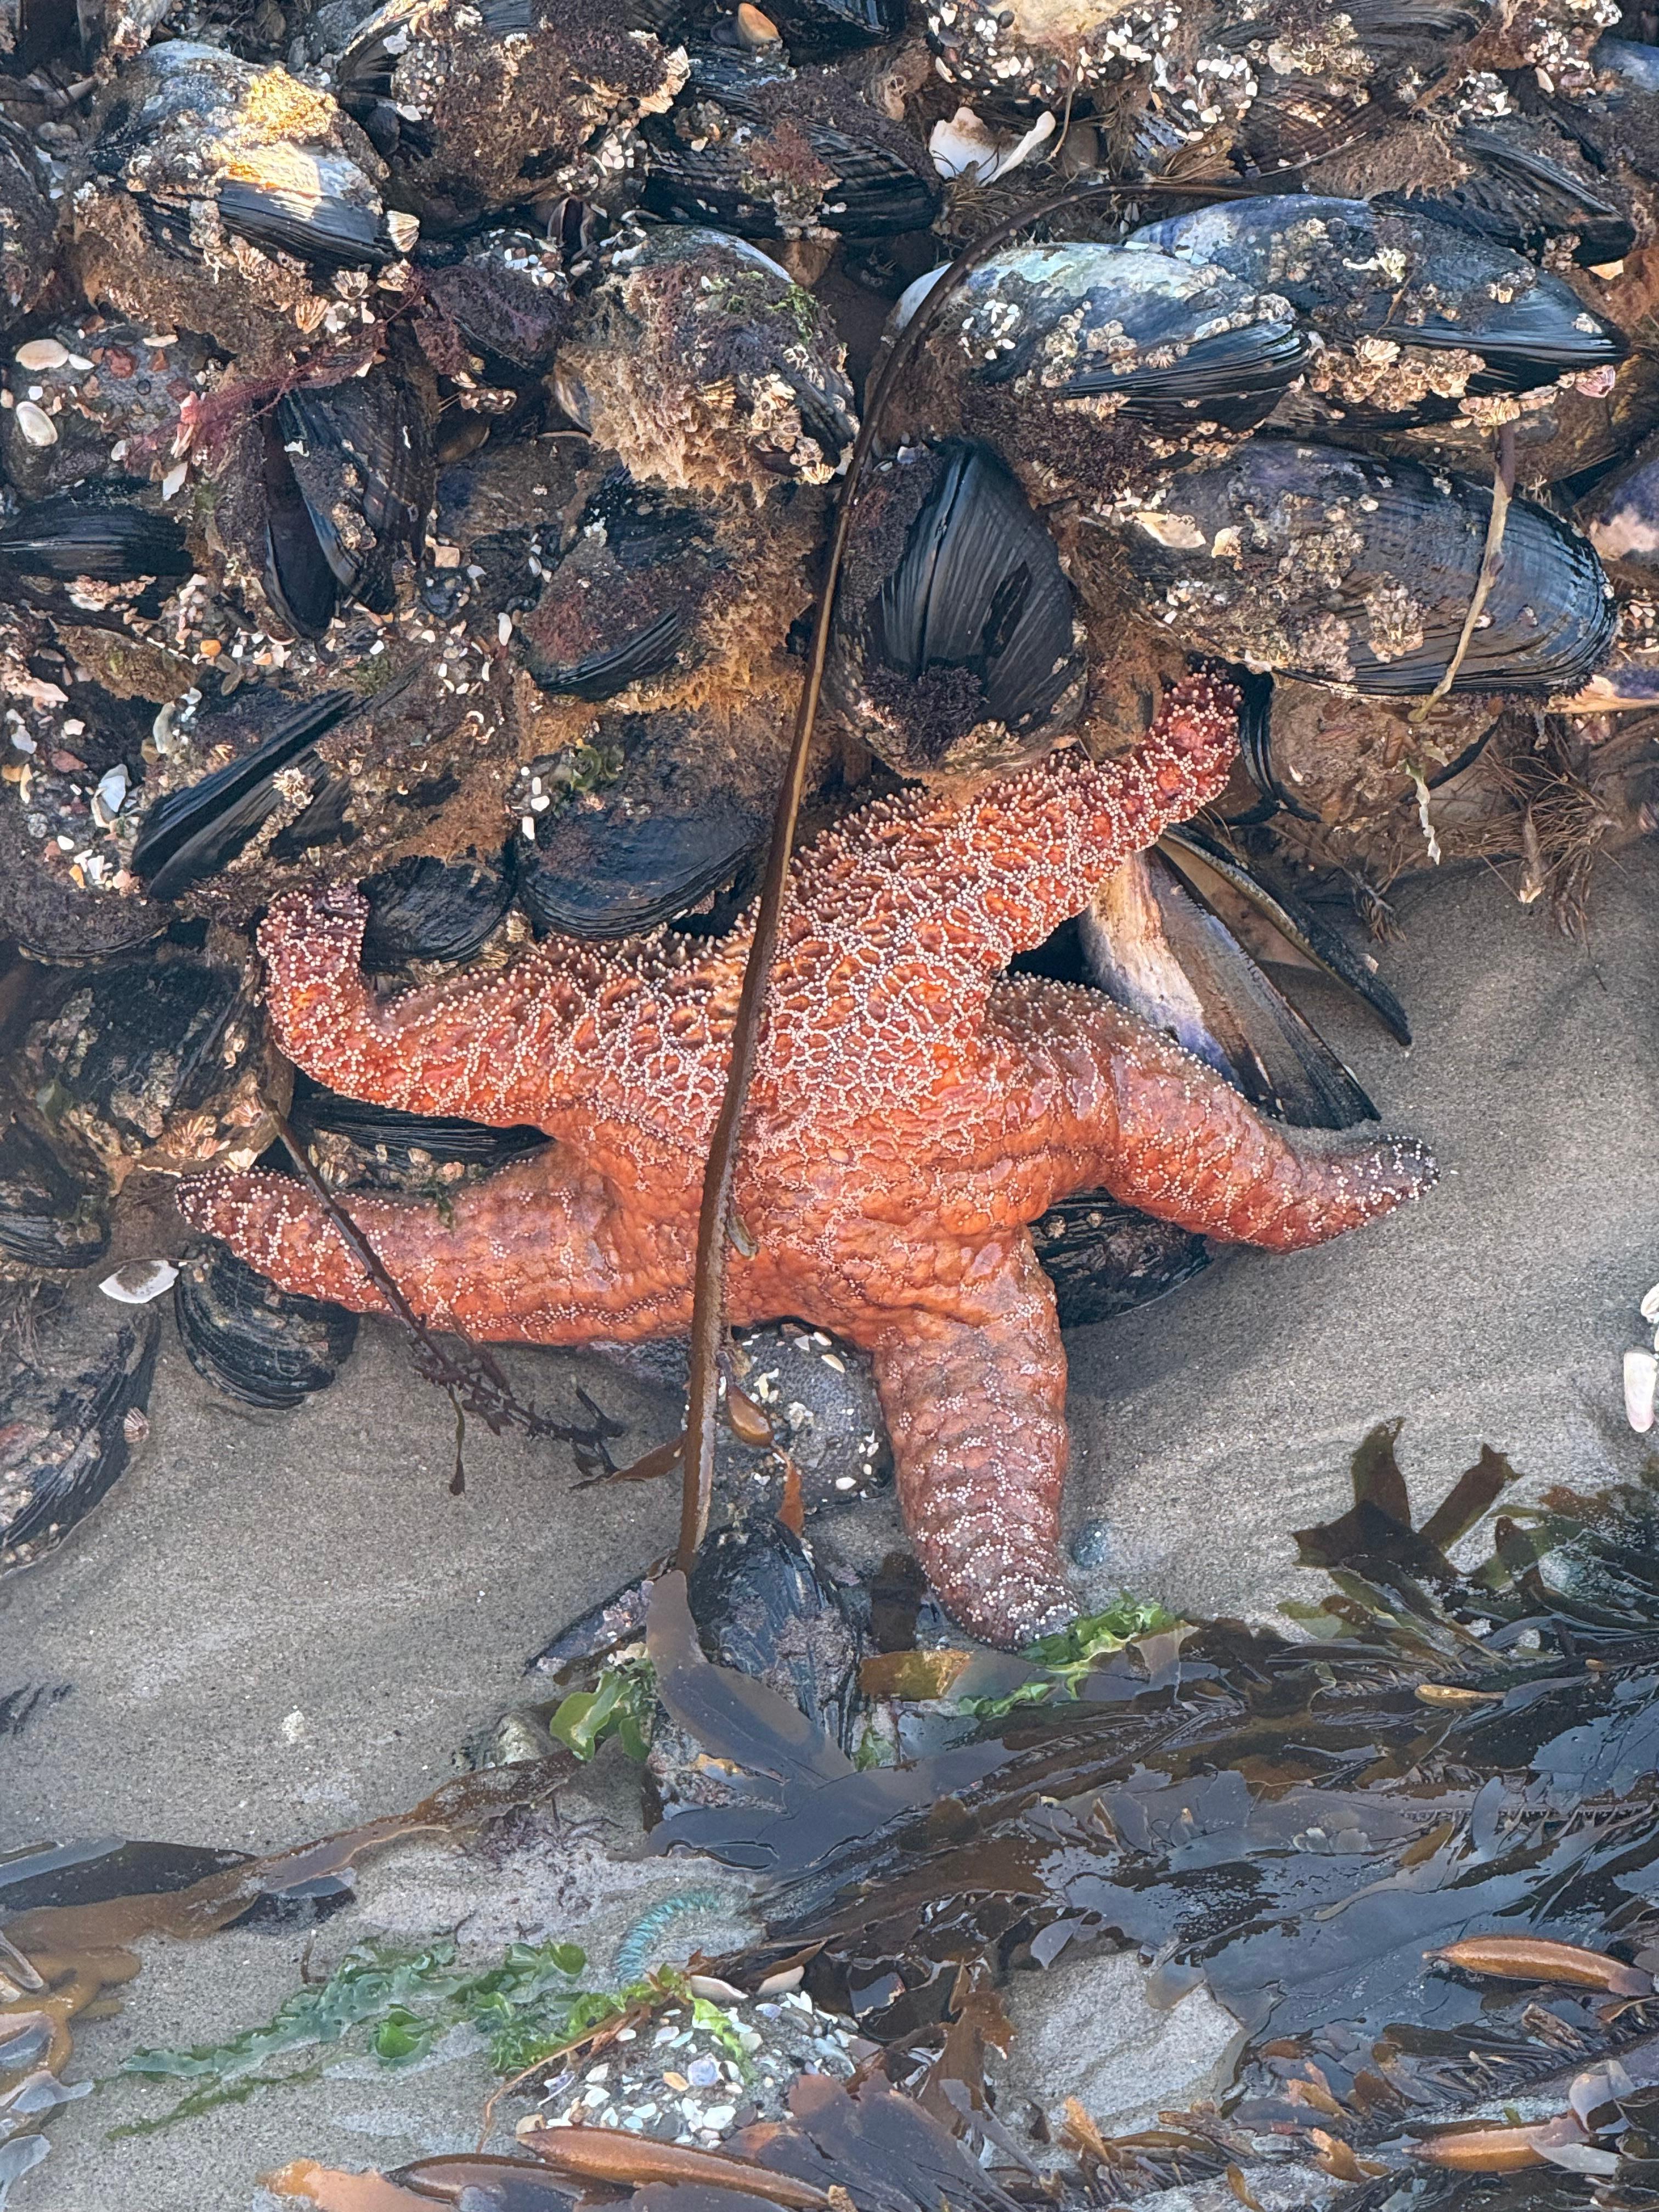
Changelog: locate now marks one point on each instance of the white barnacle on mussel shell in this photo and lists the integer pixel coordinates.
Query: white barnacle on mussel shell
(1333, 566)
(702, 367)
(479, 106)
(1082, 365)
(223, 197)
(764, 151)
(1418, 317)
(958, 647)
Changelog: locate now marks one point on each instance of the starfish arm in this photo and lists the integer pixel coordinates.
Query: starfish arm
(499, 1045)
(901, 918)
(1119, 1104)
(975, 1408)
(543, 1252)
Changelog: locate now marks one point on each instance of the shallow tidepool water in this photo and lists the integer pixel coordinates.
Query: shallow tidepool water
(279, 1625)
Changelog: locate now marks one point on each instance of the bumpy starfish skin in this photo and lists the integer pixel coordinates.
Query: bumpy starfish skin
(914, 1109)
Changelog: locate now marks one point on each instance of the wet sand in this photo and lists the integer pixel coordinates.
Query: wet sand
(279, 1625)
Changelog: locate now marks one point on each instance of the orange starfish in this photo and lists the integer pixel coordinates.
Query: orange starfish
(915, 1108)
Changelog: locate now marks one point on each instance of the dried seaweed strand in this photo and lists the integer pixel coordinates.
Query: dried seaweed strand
(708, 1290)
(474, 1381)
(1492, 563)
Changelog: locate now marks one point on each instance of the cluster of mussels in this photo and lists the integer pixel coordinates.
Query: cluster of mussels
(419, 429)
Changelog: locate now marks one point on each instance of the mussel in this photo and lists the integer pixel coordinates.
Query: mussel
(787, 156)
(478, 108)
(702, 367)
(222, 193)
(1416, 315)
(1084, 365)
(70, 1417)
(956, 643)
(1341, 569)
(54, 1208)
(164, 1062)
(267, 1347)
(424, 908)
(352, 1143)
(1105, 1259)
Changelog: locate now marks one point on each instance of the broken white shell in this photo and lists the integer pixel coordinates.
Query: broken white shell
(1650, 1307)
(110, 796)
(41, 353)
(36, 425)
(967, 145)
(1641, 1384)
(139, 1281)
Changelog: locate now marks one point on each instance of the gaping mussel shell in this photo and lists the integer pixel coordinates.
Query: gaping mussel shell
(164, 1062)
(1343, 569)
(1081, 364)
(319, 495)
(787, 156)
(267, 1347)
(1417, 316)
(957, 644)
(72, 1412)
(703, 367)
(480, 106)
(222, 193)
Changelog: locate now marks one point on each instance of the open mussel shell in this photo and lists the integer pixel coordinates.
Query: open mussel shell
(1416, 314)
(267, 1347)
(53, 1201)
(703, 367)
(956, 645)
(71, 1411)
(672, 826)
(1341, 569)
(1104, 1258)
(425, 908)
(164, 1060)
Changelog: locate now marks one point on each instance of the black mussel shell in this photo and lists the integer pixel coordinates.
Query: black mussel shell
(646, 847)
(820, 1395)
(1341, 569)
(361, 455)
(101, 534)
(761, 1606)
(196, 831)
(424, 908)
(955, 642)
(325, 228)
(1355, 272)
(65, 1436)
(506, 293)
(53, 1211)
(126, 1049)
(737, 182)
(1155, 949)
(384, 1147)
(824, 26)
(1105, 1259)
(266, 1346)
(1523, 190)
